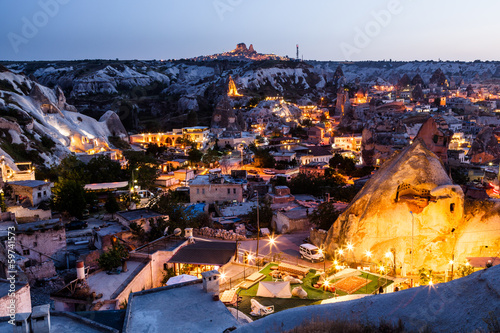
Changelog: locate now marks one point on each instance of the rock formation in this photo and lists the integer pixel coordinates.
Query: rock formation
(485, 147)
(410, 191)
(381, 137)
(437, 136)
(225, 117)
(231, 88)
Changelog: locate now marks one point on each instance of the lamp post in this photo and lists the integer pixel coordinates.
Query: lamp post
(411, 253)
(258, 227)
(368, 255)
(320, 251)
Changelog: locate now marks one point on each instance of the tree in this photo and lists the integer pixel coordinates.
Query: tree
(113, 257)
(265, 214)
(343, 165)
(111, 204)
(194, 155)
(262, 157)
(144, 168)
(71, 168)
(103, 169)
(212, 156)
(69, 196)
(325, 215)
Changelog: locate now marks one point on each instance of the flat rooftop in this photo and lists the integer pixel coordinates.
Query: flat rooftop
(135, 214)
(29, 183)
(110, 285)
(205, 253)
(65, 322)
(183, 308)
(167, 243)
(205, 180)
(110, 230)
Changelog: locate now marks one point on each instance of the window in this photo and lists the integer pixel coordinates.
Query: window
(197, 191)
(39, 194)
(228, 191)
(452, 207)
(203, 191)
(26, 252)
(44, 193)
(35, 244)
(234, 191)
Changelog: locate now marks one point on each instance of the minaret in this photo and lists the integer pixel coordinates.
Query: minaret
(297, 51)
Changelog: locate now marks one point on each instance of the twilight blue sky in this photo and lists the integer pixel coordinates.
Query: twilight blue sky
(324, 29)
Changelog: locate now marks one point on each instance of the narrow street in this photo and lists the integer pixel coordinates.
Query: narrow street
(287, 245)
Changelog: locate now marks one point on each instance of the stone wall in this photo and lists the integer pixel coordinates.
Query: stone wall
(318, 237)
(29, 215)
(42, 244)
(218, 233)
(40, 271)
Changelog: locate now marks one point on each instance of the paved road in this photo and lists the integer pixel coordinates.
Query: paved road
(287, 245)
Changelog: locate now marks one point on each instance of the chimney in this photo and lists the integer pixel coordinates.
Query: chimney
(124, 265)
(80, 270)
(211, 281)
(40, 319)
(22, 323)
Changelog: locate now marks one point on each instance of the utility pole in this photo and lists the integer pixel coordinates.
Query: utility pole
(258, 227)
(411, 253)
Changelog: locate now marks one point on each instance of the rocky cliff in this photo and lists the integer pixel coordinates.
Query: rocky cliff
(38, 125)
(411, 194)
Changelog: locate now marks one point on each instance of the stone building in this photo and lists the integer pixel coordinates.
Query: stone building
(36, 191)
(216, 188)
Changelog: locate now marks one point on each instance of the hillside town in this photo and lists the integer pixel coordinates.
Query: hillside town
(276, 201)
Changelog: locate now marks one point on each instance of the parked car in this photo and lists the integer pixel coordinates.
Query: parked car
(253, 172)
(269, 172)
(85, 214)
(77, 224)
(311, 252)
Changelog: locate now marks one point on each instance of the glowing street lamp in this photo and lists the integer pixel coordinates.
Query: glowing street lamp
(320, 252)
(368, 254)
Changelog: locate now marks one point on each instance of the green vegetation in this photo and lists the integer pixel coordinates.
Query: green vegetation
(315, 295)
(113, 257)
(325, 215)
(69, 196)
(319, 186)
(117, 142)
(262, 157)
(265, 214)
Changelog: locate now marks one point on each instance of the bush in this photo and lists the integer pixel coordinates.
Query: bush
(113, 257)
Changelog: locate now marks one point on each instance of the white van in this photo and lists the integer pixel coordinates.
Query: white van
(311, 252)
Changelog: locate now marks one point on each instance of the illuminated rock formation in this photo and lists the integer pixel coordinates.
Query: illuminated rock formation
(232, 91)
(437, 136)
(410, 189)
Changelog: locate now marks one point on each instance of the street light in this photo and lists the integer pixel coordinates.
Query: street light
(320, 251)
(258, 225)
(411, 253)
(368, 255)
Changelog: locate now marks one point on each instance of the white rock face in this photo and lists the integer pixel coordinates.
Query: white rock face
(410, 191)
(52, 116)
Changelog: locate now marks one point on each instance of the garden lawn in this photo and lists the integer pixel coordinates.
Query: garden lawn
(315, 295)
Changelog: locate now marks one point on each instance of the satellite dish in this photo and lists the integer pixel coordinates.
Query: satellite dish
(177, 231)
